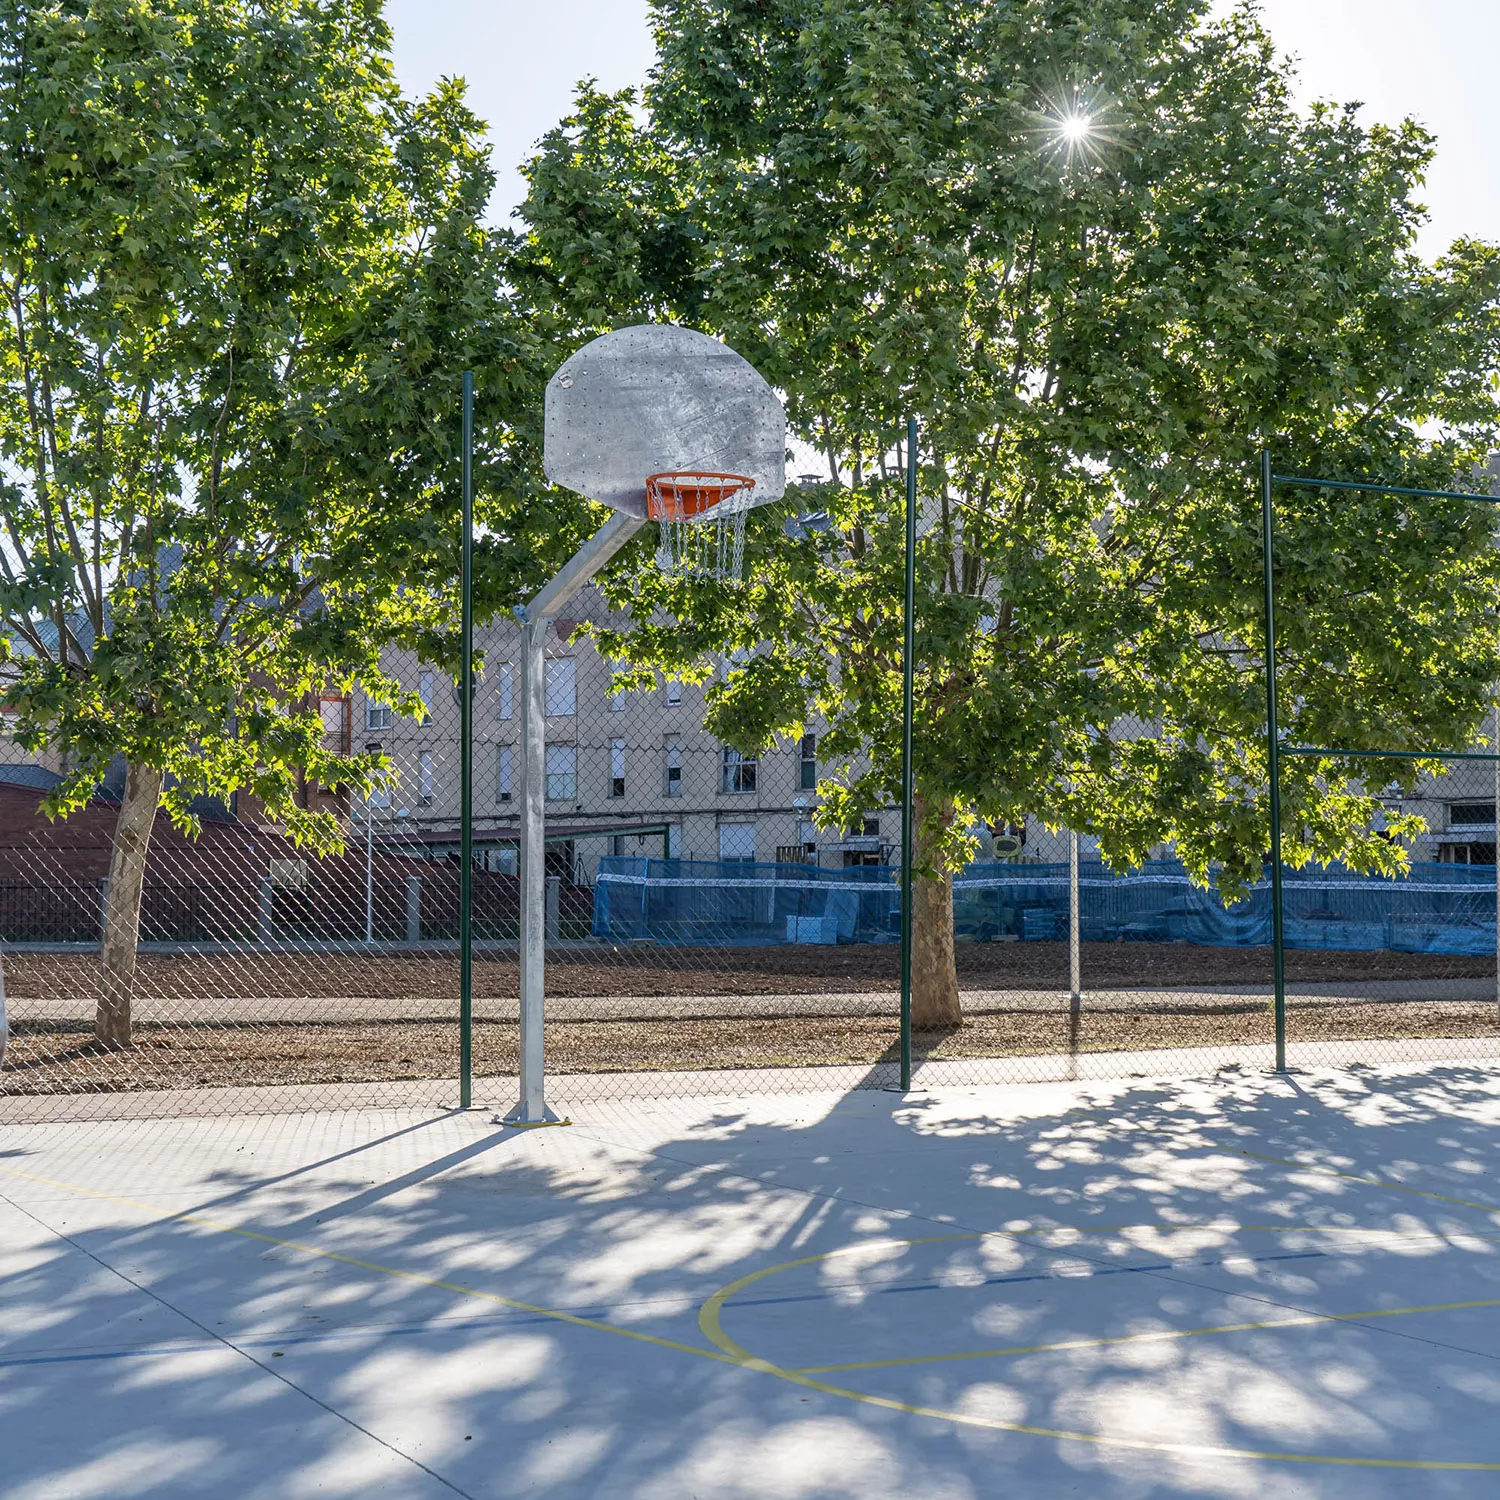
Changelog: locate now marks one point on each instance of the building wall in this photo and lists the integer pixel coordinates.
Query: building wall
(614, 738)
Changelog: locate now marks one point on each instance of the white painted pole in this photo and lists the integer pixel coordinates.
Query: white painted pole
(1075, 955)
(532, 1109)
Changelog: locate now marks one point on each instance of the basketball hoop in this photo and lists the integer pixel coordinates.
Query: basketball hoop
(702, 526)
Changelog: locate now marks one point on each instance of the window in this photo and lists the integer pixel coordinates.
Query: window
(424, 776)
(334, 711)
(674, 691)
(737, 842)
(425, 689)
(739, 771)
(1470, 814)
(561, 695)
(617, 768)
(618, 699)
(505, 777)
(807, 836)
(809, 780)
(870, 826)
(1468, 854)
(674, 765)
(562, 773)
(378, 715)
(380, 796)
(505, 708)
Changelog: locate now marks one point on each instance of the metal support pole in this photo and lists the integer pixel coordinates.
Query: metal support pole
(908, 670)
(369, 875)
(1496, 746)
(1273, 761)
(466, 767)
(1075, 954)
(532, 1109)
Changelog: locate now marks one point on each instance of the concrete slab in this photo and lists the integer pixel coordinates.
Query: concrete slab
(1176, 1287)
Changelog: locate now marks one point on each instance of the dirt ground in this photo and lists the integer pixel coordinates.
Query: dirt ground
(46, 1061)
(653, 970)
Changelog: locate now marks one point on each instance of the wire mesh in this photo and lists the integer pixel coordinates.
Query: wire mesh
(703, 934)
(267, 976)
(1410, 963)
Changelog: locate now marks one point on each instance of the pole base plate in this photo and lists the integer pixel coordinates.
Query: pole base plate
(517, 1119)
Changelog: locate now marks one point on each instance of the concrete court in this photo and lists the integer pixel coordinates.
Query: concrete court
(1232, 1286)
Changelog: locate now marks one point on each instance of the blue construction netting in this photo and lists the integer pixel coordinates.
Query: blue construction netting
(1434, 909)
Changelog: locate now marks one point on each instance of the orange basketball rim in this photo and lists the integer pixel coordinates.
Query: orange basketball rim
(683, 495)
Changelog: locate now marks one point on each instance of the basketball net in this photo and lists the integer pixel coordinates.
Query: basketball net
(702, 524)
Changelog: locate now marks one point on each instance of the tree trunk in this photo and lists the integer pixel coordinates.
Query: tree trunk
(122, 905)
(934, 975)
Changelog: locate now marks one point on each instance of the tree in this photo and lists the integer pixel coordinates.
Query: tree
(240, 277)
(1094, 246)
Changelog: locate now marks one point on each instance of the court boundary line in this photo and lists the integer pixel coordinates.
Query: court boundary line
(725, 1350)
(710, 1323)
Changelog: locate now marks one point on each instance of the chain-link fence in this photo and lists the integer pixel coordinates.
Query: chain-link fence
(703, 933)
(267, 977)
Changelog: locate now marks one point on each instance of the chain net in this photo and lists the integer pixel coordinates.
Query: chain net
(704, 935)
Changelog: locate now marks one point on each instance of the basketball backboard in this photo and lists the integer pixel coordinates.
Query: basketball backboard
(656, 398)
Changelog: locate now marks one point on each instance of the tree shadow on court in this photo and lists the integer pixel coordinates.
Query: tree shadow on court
(332, 1302)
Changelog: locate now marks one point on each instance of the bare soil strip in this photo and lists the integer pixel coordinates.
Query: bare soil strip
(48, 1061)
(652, 970)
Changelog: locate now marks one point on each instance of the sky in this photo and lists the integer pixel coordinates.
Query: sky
(1435, 60)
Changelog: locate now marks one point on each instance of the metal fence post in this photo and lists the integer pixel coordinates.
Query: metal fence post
(369, 875)
(466, 764)
(413, 908)
(1273, 762)
(554, 908)
(908, 667)
(1075, 953)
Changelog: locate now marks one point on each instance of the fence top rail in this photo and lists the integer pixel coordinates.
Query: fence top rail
(1389, 754)
(1309, 481)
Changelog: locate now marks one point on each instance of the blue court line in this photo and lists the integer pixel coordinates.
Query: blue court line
(953, 1286)
(329, 1336)
(503, 1322)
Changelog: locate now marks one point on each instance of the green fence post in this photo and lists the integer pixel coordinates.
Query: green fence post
(908, 665)
(466, 766)
(1273, 762)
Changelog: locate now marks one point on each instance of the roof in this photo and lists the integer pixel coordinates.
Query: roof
(28, 775)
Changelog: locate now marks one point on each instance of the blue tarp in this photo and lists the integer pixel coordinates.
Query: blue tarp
(1434, 909)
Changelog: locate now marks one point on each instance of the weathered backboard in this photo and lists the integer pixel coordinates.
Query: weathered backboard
(654, 399)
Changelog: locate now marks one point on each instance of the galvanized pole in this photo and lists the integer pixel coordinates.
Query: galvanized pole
(369, 874)
(908, 668)
(1075, 956)
(466, 767)
(1273, 761)
(531, 1107)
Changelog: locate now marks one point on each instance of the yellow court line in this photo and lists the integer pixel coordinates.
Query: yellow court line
(710, 1323)
(370, 1265)
(726, 1351)
(1395, 1187)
